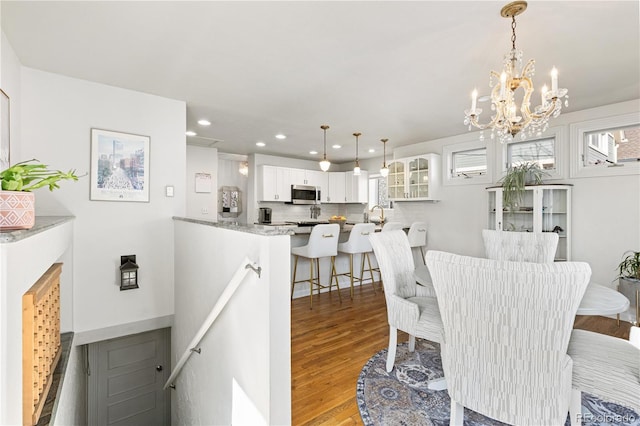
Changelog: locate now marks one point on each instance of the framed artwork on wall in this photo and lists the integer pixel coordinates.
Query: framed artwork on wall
(5, 145)
(119, 166)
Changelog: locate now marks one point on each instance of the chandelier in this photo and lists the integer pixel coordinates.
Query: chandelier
(511, 108)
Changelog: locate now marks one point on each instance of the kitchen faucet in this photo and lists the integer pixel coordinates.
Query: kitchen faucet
(381, 210)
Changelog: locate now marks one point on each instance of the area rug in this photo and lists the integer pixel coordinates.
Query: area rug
(402, 397)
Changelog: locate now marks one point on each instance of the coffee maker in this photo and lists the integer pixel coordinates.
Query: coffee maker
(264, 215)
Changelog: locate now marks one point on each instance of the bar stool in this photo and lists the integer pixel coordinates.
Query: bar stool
(358, 243)
(418, 236)
(392, 226)
(323, 242)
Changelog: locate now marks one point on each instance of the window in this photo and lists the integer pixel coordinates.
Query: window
(472, 162)
(548, 152)
(606, 147)
(541, 151)
(468, 163)
(613, 146)
(378, 194)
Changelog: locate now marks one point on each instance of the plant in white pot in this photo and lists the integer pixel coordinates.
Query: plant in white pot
(629, 280)
(17, 202)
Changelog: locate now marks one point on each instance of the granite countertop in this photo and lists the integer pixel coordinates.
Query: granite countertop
(42, 224)
(242, 227)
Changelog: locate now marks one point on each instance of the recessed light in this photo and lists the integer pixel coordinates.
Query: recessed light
(204, 122)
(372, 150)
(313, 152)
(280, 136)
(260, 144)
(190, 133)
(336, 146)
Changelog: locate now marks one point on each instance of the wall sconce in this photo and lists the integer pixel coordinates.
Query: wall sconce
(244, 168)
(128, 272)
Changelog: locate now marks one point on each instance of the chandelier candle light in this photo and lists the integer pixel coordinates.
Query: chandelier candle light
(384, 171)
(325, 164)
(506, 122)
(356, 169)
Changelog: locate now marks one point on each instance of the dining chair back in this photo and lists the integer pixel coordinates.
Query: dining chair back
(392, 226)
(536, 247)
(407, 310)
(607, 367)
(506, 330)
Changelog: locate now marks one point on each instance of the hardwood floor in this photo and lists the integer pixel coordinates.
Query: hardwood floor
(331, 343)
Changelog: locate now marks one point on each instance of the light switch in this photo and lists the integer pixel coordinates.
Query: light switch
(169, 191)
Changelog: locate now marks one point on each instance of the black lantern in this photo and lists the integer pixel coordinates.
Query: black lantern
(128, 272)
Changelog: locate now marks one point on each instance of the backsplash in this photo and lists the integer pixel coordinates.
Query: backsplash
(281, 212)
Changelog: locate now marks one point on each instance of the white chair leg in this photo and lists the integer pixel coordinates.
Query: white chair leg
(412, 343)
(457, 414)
(391, 352)
(575, 407)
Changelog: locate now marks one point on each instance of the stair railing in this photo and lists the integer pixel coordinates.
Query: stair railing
(226, 295)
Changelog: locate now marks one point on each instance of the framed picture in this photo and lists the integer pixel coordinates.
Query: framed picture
(119, 166)
(5, 146)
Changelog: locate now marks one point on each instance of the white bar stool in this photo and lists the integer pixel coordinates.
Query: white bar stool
(323, 242)
(358, 243)
(418, 236)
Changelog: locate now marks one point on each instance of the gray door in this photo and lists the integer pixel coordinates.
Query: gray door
(126, 376)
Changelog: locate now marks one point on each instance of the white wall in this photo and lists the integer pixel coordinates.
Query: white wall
(10, 83)
(61, 112)
(605, 210)
(201, 205)
(249, 344)
(22, 263)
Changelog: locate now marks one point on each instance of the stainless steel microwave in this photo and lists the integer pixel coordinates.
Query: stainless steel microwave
(303, 194)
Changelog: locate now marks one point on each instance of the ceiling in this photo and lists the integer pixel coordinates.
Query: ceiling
(388, 69)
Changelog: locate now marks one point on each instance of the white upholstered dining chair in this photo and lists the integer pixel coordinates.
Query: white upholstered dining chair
(607, 367)
(536, 247)
(506, 332)
(392, 226)
(407, 308)
(418, 237)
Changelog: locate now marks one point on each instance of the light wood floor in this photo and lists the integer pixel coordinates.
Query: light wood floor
(331, 343)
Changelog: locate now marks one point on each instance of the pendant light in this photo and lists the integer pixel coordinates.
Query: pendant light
(325, 164)
(356, 169)
(384, 171)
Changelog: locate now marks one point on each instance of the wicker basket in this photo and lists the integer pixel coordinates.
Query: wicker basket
(340, 222)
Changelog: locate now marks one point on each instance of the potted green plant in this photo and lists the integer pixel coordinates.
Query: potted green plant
(517, 177)
(17, 202)
(629, 279)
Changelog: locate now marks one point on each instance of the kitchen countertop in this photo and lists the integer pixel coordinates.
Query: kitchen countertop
(264, 229)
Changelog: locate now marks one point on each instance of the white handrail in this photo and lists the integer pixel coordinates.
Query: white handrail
(231, 288)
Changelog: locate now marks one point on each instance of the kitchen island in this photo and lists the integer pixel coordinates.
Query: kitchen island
(300, 237)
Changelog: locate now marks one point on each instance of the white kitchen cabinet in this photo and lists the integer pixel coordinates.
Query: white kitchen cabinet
(544, 208)
(357, 187)
(414, 179)
(335, 192)
(315, 178)
(274, 183)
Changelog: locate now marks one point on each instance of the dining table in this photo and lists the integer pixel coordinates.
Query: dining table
(597, 299)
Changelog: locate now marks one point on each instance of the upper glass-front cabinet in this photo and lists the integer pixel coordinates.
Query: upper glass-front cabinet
(414, 179)
(543, 208)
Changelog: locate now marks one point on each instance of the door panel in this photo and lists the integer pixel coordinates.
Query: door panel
(127, 376)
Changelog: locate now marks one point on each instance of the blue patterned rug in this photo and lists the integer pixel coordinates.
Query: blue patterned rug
(402, 398)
